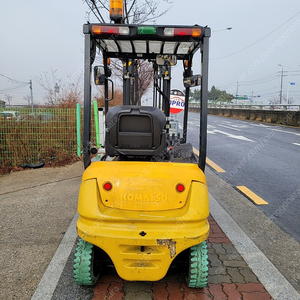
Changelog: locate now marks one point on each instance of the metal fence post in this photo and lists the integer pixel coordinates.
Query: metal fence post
(78, 119)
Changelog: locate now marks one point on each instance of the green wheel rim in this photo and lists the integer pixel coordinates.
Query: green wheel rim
(84, 259)
(198, 266)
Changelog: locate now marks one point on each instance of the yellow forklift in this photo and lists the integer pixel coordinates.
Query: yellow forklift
(144, 201)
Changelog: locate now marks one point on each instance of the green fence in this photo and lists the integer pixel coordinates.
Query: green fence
(30, 136)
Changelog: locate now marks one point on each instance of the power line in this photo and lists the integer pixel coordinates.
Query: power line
(14, 80)
(12, 89)
(257, 40)
(254, 81)
(261, 91)
(258, 82)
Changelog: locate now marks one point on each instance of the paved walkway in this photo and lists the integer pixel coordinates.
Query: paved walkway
(229, 278)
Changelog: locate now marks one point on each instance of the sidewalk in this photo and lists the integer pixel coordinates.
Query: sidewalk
(229, 278)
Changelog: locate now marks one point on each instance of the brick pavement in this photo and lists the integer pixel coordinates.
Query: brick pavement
(229, 278)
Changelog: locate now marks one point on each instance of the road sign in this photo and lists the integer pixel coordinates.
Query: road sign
(241, 97)
(177, 101)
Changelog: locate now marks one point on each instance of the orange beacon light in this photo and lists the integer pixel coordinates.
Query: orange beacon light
(116, 10)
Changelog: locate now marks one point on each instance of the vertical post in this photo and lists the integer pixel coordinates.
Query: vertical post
(287, 93)
(96, 123)
(126, 81)
(101, 126)
(166, 91)
(137, 100)
(78, 121)
(31, 94)
(166, 97)
(186, 105)
(159, 104)
(237, 92)
(105, 84)
(155, 82)
(281, 82)
(204, 98)
(87, 98)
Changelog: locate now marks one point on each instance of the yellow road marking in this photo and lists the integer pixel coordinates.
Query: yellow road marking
(196, 151)
(214, 166)
(211, 163)
(252, 195)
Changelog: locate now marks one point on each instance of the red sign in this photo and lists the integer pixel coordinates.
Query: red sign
(176, 101)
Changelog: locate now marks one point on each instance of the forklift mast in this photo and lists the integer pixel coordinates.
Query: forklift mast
(164, 46)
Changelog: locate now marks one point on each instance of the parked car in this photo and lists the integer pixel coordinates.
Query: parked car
(9, 114)
(38, 117)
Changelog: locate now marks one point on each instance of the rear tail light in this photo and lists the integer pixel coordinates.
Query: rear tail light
(119, 30)
(192, 32)
(180, 187)
(107, 186)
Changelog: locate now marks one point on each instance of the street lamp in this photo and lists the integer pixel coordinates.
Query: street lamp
(228, 28)
(56, 90)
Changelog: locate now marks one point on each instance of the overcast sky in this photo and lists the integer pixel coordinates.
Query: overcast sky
(40, 36)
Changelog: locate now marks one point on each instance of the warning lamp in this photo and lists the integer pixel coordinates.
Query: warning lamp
(190, 32)
(186, 63)
(180, 187)
(116, 10)
(107, 60)
(107, 186)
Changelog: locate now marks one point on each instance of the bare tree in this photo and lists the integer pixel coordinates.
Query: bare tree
(27, 98)
(276, 100)
(290, 100)
(58, 93)
(71, 93)
(47, 82)
(8, 98)
(135, 12)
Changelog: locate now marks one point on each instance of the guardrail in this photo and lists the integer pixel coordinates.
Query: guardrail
(276, 114)
(282, 107)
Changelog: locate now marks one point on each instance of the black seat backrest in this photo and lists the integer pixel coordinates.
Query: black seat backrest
(135, 131)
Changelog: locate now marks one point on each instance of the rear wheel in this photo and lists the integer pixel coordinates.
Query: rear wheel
(198, 266)
(85, 267)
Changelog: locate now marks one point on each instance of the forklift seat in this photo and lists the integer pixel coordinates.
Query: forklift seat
(135, 131)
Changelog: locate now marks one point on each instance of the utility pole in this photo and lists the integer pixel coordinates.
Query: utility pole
(281, 82)
(237, 91)
(287, 93)
(31, 94)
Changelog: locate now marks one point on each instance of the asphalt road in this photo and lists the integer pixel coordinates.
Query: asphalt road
(263, 157)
